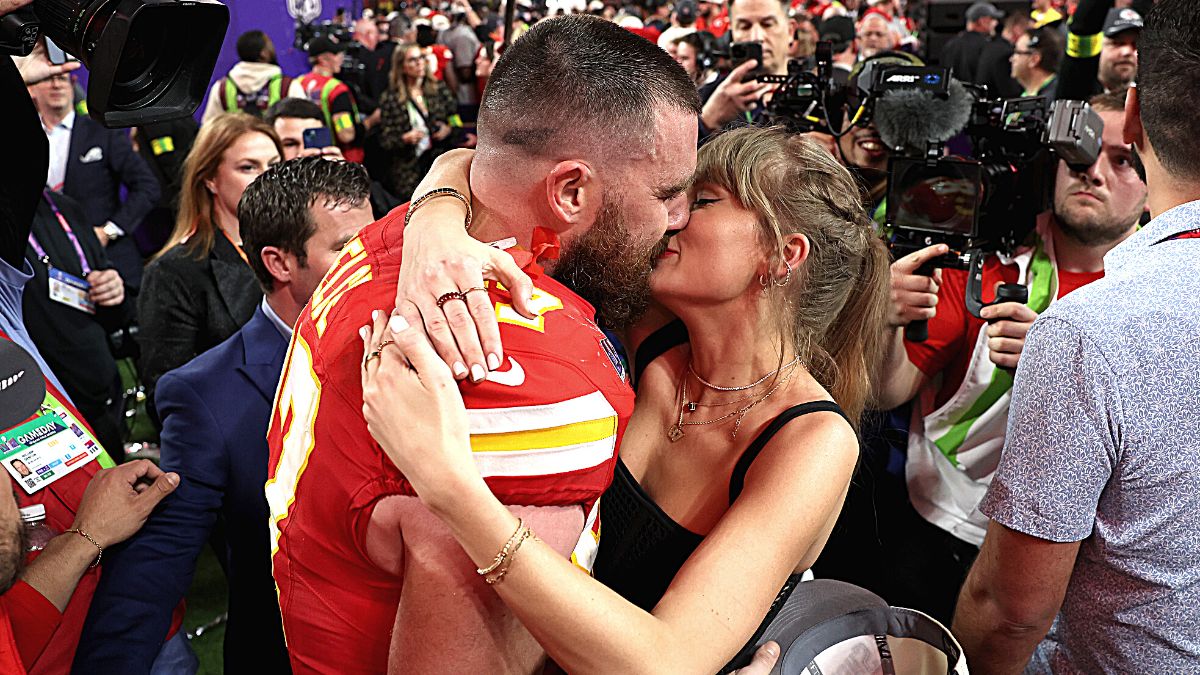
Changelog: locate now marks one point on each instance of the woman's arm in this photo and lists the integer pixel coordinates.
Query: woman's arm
(439, 257)
(717, 599)
(394, 125)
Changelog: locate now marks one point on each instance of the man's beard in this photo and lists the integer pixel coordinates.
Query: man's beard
(609, 268)
(1094, 229)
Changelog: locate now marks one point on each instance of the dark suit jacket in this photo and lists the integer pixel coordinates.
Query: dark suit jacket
(215, 411)
(96, 184)
(962, 55)
(188, 306)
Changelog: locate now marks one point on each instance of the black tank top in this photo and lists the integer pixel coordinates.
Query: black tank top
(642, 548)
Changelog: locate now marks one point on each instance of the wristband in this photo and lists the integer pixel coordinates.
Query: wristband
(1084, 46)
(433, 194)
(95, 543)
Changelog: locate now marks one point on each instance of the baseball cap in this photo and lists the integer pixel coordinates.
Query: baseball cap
(323, 45)
(839, 30)
(439, 22)
(686, 10)
(981, 9)
(1121, 20)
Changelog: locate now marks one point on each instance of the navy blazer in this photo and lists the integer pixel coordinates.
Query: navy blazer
(99, 162)
(216, 410)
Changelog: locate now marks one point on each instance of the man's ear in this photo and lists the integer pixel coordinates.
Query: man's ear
(280, 264)
(1133, 133)
(572, 192)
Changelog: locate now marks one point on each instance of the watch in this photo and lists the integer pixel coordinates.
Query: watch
(112, 231)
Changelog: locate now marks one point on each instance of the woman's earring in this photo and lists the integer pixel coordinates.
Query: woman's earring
(762, 281)
(787, 279)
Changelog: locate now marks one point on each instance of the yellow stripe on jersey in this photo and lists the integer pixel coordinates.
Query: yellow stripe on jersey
(556, 437)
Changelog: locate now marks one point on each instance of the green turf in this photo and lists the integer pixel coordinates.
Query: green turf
(205, 601)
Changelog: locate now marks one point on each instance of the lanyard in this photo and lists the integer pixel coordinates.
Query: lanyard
(66, 227)
(236, 247)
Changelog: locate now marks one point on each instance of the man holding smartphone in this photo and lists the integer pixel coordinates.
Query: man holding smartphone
(738, 98)
(301, 128)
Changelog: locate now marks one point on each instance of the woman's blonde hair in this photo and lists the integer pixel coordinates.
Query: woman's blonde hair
(194, 223)
(832, 310)
(398, 81)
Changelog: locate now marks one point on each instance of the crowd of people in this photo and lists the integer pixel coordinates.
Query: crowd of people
(548, 347)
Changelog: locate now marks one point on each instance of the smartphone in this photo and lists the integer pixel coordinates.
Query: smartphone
(318, 137)
(741, 52)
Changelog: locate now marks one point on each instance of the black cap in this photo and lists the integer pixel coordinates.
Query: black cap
(686, 10)
(323, 45)
(1121, 20)
(981, 9)
(839, 30)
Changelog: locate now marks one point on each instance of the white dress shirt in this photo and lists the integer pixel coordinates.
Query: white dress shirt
(60, 150)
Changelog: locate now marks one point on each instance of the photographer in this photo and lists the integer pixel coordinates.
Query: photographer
(961, 375)
(334, 96)
(738, 98)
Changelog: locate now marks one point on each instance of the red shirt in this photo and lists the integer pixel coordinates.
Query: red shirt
(52, 646)
(544, 432)
(10, 658)
(952, 333)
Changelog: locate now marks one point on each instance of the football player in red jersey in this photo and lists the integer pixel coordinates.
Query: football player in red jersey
(590, 152)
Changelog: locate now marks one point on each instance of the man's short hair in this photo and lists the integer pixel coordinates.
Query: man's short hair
(1110, 101)
(250, 45)
(299, 108)
(275, 208)
(1168, 84)
(571, 79)
(1049, 45)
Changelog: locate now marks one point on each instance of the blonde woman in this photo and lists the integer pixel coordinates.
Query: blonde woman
(415, 117)
(740, 450)
(200, 289)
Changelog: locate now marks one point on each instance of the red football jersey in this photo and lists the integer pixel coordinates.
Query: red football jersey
(544, 431)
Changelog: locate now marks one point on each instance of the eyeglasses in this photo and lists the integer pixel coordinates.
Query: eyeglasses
(1023, 52)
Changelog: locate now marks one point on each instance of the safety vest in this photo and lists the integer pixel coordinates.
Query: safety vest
(255, 103)
(954, 450)
(331, 88)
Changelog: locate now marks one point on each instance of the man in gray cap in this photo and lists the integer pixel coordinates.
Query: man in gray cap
(1119, 53)
(963, 50)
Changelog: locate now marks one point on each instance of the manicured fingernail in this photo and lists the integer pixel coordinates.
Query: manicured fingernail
(375, 315)
(477, 373)
(493, 361)
(397, 324)
(459, 369)
(363, 332)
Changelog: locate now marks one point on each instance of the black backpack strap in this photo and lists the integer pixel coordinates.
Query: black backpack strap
(737, 479)
(658, 343)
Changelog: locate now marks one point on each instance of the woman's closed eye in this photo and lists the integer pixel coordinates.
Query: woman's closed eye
(702, 202)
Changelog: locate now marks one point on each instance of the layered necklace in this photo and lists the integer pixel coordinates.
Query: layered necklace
(745, 404)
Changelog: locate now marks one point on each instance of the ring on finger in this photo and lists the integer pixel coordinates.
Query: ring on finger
(474, 288)
(452, 295)
(377, 352)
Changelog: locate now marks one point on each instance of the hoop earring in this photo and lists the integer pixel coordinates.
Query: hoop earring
(787, 279)
(762, 281)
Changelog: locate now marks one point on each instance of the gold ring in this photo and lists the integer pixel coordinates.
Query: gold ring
(378, 351)
(475, 288)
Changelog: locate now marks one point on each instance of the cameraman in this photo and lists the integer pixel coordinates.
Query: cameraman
(961, 376)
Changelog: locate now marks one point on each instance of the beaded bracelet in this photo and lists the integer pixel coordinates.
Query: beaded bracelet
(433, 194)
(95, 543)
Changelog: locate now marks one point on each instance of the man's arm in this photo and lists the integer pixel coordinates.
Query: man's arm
(137, 177)
(145, 578)
(1078, 72)
(914, 298)
(1010, 598)
(341, 115)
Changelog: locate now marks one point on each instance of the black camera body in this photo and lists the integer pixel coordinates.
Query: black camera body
(150, 60)
(354, 68)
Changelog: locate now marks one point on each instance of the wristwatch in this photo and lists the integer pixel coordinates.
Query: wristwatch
(112, 231)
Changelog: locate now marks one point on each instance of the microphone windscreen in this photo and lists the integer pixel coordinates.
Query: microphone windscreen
(911, 118)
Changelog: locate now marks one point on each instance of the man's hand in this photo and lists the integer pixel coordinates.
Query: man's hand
(108, 290)
(329, 151)
(764, 660)
(36, 67)
(102, 236)
(1010, 322)
(117, 501)
(915, 296)
(733, 97)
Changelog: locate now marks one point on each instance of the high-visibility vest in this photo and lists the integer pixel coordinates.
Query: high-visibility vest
(255, 103)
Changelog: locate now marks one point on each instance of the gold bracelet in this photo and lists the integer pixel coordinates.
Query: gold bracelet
(433, 194)
(493, 580)
(95, 543)
(484, 571)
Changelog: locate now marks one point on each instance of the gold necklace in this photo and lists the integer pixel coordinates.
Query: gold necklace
(675, 432)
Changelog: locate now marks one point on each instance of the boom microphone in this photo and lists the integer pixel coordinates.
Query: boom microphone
(912, 118)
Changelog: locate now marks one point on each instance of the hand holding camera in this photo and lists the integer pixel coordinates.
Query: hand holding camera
(733, 97)
(1009, 323)
(915, 295)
